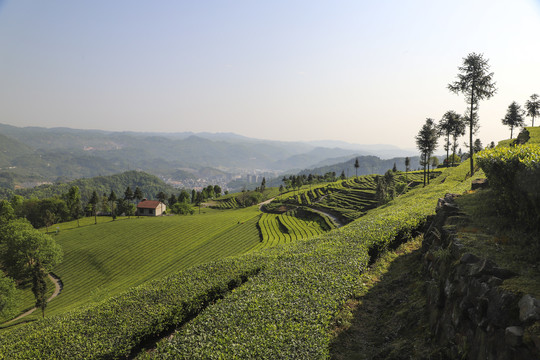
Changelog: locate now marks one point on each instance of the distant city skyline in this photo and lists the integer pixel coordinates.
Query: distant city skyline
(354, 71)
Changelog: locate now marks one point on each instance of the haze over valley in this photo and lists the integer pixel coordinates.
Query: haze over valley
(31, 156)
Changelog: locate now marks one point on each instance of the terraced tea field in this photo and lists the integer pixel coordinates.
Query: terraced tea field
(346, 199)
(285, 228)
(105, 259)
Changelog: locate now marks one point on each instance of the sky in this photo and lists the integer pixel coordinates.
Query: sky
(366, 72)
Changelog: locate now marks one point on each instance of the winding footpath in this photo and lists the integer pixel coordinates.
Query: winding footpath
(57, 288)
(333, 218)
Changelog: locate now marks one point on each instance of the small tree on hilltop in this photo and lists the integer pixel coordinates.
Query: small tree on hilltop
(112, 199)
(533, 107)
(385, 189)
(138, 195)
(514, 117)
(128, 194)
(447, 127)
(478, 146)
(476, 83)
(356, 166)
(74, 204)
(426, 141)
(434, 162)
(407, 165)
(458, 127)
(49, 219)
(39, 286)
(93, 202)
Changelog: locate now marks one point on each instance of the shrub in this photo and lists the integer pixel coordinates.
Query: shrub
(513, 173)
(182, 208)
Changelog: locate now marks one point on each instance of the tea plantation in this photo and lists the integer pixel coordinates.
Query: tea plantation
(272, 303)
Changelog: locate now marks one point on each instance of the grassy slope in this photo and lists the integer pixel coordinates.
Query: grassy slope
(105, 259)
(534, 133)
(102, 261)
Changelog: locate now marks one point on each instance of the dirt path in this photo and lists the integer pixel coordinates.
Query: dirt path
(334, 219)
(57, 288)
(265, 202)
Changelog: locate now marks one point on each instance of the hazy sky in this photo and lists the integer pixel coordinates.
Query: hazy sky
(359, 71)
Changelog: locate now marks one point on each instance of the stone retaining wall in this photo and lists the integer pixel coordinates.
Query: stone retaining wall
(469, 313)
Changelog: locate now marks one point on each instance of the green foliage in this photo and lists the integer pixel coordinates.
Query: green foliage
(452, 159)
(386, 188)
(182, 208)
(533, 107)
(23, 246)
(6, 211)
(39, 286)
(8, 295)
(475, 81)
(244, 199)
(515, 117)
(125, 207)
(149, 186)
(451, 125)
(287, 309)
(426, 141)
(348, 199)
(44, 212)
(284, 310)
(105, 259)
(73, 202)
(290, 226)
(368, 165)
(513, 172)
(131, 317)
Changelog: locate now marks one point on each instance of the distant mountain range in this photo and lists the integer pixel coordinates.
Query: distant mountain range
(34, 154)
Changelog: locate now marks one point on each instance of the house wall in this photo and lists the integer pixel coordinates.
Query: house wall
(152, 212)
(158, 209)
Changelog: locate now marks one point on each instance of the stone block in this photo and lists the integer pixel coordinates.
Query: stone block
(479, 184)
(513, 335)
(529, 308)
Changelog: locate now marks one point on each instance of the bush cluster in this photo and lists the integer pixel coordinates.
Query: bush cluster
(513, 173)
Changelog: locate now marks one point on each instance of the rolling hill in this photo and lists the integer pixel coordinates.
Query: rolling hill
(63, 154)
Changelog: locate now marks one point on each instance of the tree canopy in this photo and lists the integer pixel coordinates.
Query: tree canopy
(533, 107)
(475, 81)
(426, 141)
(23, 246)
(452, 127)
(514, 117)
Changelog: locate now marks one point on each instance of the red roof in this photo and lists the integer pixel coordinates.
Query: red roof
(149, 204)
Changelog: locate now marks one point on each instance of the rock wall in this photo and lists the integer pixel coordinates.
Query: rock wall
(469, 314)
